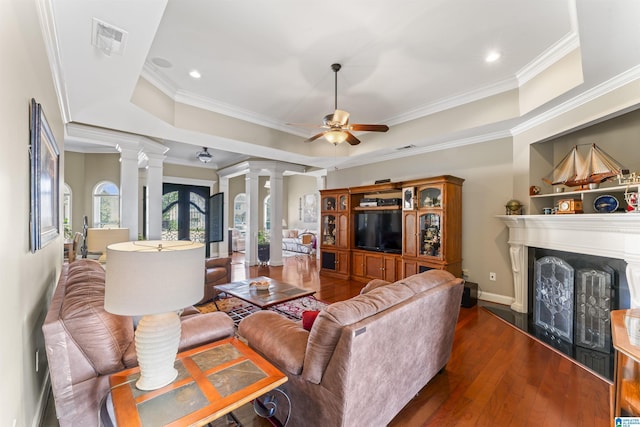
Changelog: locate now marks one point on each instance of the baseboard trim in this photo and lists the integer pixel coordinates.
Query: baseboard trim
(41, 407)
(498, 299)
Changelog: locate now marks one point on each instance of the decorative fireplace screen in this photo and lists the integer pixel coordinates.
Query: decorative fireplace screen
(554, 296)
(555, 307)
(594, 294)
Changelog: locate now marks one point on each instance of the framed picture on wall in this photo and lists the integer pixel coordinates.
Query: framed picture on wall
(408, 196)
(44, 180)
(309, 204)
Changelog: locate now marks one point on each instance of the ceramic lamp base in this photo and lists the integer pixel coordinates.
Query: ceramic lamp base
(157, 338)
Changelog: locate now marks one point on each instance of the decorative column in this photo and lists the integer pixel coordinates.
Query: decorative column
(253, 205)
(154, 195)
(223, 187)
(129, 188)
(276, 191)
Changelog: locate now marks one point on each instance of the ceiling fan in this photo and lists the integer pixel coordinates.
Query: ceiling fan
(337, 123)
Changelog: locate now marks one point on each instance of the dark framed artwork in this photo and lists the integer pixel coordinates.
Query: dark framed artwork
(45, 180)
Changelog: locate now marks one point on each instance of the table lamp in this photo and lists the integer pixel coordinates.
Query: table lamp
(154, 279)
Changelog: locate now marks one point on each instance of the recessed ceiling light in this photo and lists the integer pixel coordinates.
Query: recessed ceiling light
(195, 74)
(492, 56)
(161, 62)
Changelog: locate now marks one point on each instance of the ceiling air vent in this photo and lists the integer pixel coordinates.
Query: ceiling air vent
(109, 39)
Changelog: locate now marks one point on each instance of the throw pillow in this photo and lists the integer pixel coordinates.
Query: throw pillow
(308, 317)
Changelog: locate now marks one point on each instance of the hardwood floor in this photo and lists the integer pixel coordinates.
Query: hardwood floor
(497, 375)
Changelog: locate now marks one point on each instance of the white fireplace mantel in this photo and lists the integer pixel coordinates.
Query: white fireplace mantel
(613, 235)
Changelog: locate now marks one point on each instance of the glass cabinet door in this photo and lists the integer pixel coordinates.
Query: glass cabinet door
(430, 235)
(343, 203)
(328, 230)
(329, 203)
(430, 197)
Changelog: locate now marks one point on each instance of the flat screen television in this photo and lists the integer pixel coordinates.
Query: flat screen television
(379, 231)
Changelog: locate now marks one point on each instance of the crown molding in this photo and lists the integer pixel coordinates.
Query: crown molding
(583, 98)
(553, 54)
(49, 33)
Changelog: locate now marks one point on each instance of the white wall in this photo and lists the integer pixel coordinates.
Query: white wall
(27, 279)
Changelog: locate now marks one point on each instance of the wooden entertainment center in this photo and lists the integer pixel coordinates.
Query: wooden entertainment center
(431, 229)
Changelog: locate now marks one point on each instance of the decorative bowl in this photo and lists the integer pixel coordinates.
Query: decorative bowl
(260, 285)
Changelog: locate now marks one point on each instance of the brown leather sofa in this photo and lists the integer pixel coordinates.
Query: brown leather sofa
(85, 343)
(365, 358)
(217, 272)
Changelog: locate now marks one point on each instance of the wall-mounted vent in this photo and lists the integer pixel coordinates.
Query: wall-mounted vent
(406, 147)
(108, 38)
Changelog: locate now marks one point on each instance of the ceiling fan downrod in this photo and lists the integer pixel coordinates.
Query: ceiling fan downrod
(335, 68)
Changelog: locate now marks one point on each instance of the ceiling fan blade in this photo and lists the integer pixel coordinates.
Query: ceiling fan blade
(352, 139)
(314, 137)
(341, 117)
(369, 128)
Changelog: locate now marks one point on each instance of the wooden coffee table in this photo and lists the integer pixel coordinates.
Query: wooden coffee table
(213, 380)
(277, 293)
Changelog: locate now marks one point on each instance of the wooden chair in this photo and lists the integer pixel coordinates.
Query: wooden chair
(74, 247)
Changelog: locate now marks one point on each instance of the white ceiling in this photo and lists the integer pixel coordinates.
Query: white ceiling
(268, 63)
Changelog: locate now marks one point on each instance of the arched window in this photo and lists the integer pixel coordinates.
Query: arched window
(267, 213)
(66, 212)
(240, 212)
(106, 205)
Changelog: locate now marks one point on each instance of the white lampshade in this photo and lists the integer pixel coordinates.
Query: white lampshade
(141, 279)
(154, 279)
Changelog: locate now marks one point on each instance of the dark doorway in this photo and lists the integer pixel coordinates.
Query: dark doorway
(185, 213)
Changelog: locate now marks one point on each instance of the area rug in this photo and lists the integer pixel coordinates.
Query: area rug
(238, 309)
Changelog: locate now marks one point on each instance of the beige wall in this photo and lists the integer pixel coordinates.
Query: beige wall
(27, 279)
(298, 186)
(487, 171)
(82, 173)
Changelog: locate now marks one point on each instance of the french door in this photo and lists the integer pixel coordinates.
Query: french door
(185, 213)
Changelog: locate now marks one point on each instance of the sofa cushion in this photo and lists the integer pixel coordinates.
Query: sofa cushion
(283, 341)
(327, 328)
(103, 336)
(429, 279)
(375, 283)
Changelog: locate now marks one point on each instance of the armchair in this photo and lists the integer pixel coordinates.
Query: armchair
(217, 271)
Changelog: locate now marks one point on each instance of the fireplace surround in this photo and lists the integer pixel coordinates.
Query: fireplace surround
(597, 249)
(612, 235)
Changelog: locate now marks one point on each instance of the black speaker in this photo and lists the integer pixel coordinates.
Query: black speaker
(469, 294)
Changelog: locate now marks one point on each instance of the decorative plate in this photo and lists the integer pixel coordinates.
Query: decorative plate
(605, 204)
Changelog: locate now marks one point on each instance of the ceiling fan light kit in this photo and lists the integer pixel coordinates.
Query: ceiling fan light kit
(338, 125)
(204, 156)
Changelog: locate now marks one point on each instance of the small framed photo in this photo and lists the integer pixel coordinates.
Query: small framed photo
(408, 196)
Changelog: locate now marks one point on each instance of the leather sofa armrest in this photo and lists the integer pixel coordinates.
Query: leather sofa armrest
(282, 341)
(217, 262)
(204, 328)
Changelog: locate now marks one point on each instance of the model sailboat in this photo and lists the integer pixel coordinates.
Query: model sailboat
(578, 170)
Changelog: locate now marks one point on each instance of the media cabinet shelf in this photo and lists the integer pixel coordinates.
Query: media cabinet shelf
(431, 229)
(377, 208)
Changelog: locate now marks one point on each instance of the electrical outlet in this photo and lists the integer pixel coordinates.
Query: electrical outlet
(492, 276)
(37, 359)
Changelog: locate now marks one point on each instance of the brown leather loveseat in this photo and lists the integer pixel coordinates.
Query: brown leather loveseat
(364, 358)
(85, 343)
